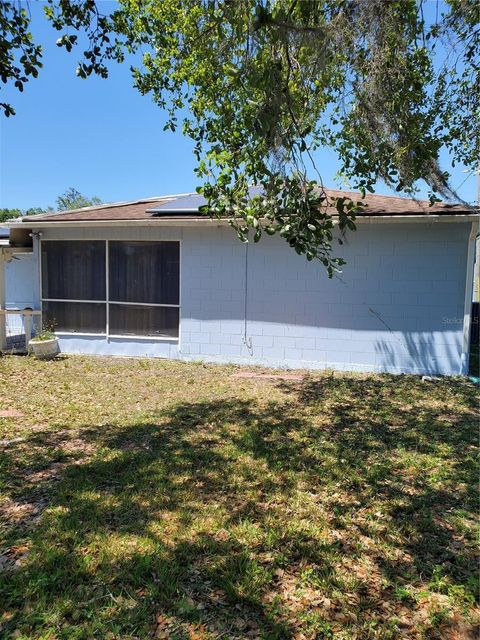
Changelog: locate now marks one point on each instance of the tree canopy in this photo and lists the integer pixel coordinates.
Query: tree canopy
(260, 85)
(73, 199)
(9, 214)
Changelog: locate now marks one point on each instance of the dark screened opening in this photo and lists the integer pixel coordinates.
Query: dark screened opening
(75, 317)
(145, 272)
(73, 270)
(142, 277)
(143, 321)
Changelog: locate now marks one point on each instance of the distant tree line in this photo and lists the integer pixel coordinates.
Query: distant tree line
(71, 199)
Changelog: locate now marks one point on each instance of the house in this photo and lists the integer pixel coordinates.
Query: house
(156, 278)
(17, 289)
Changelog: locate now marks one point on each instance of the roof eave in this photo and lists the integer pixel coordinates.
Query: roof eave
(202, 221)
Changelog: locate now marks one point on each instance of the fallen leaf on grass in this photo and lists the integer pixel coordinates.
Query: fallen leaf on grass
(163, 626)
(240, 623)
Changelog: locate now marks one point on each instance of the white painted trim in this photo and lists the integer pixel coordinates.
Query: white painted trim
(206, 221)
(79, 333)
(20, 312)
(38, 240)
(134, 336)
(27, 325)
(107, 290)
(95, 224)
(180, 254)
(97, 239)
(132, 304)
(3, 320)
(429, 218)
(476, 270)
(10, 249)
(130, 336)
(72, 300)
(143, 304)
(468, 299)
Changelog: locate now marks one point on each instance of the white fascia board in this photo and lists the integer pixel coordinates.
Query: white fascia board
(196, 222)
(426, 218)
(53, 224)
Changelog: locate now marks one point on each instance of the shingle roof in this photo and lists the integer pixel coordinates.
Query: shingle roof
(136, 210)
(378, 205)
(185, 207)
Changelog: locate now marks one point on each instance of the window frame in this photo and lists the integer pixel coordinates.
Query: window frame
(107, 302)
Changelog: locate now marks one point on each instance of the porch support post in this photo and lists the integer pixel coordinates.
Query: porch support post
(27, 324)
(3, 317)
(468, 300)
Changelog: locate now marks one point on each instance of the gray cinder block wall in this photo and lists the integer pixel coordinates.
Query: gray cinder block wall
(397, 306)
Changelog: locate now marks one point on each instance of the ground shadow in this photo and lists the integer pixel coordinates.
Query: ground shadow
(203, 496)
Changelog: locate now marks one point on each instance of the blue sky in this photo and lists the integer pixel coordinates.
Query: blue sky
(103, 138)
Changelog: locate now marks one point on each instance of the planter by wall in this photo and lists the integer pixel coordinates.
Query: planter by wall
(44, 349)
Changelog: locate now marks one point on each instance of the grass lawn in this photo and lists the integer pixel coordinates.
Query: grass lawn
(158, 499)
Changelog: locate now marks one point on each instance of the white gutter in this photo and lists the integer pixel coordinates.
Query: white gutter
(202, 221)
(149, 222)
(467, 310)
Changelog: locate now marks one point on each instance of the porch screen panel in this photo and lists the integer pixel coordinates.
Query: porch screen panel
(145, 272)
(73, 270)
(143, 293)
(75, 317)
(139, 320)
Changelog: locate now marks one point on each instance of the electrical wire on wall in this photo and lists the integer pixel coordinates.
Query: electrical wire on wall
(246, 340)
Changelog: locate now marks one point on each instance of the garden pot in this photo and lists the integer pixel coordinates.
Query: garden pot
(44, 349)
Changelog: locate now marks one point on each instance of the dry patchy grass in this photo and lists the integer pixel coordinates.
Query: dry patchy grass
(158, 499)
